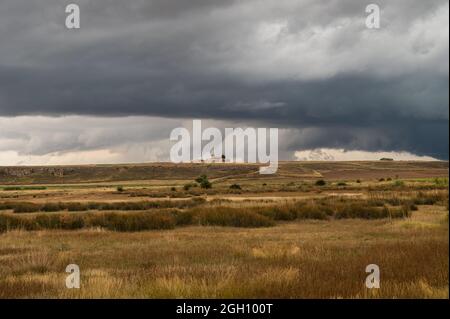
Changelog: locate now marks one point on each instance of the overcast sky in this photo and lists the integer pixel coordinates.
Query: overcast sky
(113, 90)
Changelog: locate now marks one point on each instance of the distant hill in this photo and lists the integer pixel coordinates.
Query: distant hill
(167, 171)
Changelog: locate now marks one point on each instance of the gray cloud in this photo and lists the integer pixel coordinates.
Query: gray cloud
(308, 66)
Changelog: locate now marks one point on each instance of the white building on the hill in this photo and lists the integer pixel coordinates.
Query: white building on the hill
(211, 159)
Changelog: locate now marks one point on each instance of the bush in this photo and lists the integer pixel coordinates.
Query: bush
(320, 182)
(201, 178)
(235, 186)
(120, 189)
(203, 181)
(399, 183)
(205, 184)
(441, 181)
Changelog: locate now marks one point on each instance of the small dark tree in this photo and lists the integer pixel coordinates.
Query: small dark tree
(205, 184)
(203, 181)
(223, 158)
(321, 182)
(201, 178)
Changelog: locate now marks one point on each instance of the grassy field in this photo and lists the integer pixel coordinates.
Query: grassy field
(307, 232)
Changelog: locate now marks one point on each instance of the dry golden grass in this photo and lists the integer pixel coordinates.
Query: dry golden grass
(295, 258)
(301, 259)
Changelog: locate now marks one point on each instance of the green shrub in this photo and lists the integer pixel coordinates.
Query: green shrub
(205, 184)
(203, 181)
(399, 183)
(441, 181)
(321, 182)
(201, 178)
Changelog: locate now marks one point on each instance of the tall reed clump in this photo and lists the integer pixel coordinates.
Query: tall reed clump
(298, 210)
(223, 216)
(190, 213)
(126, 222)
(412, 198)
(129, 222)
(28, 207)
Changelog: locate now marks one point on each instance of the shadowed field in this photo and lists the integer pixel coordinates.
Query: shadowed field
(307, 232)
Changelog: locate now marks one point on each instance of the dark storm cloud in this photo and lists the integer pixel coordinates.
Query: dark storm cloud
(290, 64)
